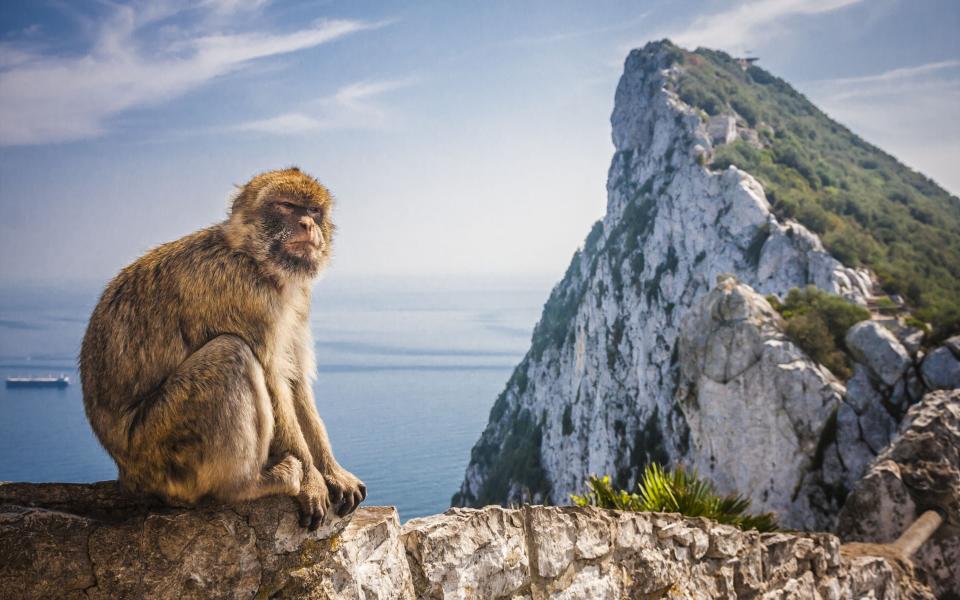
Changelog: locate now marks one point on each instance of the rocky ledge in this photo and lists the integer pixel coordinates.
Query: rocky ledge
(92, 541)
(919, 471)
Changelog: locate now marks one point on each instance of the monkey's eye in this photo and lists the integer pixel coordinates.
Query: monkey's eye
(315, 212)
(287, 205)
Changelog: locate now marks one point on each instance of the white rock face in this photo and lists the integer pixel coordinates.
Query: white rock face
(941, 368)
(884, 386)
(755, 404)
(875, 346)
(465, 554)
(597, 391)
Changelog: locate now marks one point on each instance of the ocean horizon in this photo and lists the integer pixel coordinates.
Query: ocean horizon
(407, 372)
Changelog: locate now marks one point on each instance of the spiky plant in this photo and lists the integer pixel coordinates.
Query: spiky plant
(678, 491)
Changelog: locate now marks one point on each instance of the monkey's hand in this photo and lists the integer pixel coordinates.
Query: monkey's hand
(346, 491)
(314, 498)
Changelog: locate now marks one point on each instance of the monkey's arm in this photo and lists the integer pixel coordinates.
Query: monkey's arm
(345, 489)
(314, 431)
(291, 438)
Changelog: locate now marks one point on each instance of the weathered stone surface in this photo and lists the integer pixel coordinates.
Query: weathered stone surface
(941, 368)
(90, 541)
(919, 471)
(756, 405)
(93, 541)
(466, 554)
(911, 338)
(872, 408)
(544, 553)
(876, 347)
(953, 344)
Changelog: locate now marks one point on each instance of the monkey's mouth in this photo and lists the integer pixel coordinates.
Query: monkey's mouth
(303, 245)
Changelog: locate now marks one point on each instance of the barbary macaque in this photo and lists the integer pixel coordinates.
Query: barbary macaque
(197, 363)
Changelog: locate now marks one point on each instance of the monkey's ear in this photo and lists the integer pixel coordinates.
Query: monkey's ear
(234, 196)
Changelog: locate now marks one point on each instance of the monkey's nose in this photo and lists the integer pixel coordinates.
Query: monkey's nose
(306, 223)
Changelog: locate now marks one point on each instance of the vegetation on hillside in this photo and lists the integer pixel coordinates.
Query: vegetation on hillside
(679, 492)
(869, 209)
(515, 461)
(817, 322)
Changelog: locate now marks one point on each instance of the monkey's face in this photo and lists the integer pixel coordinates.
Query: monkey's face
(297, 233)
(282, 219)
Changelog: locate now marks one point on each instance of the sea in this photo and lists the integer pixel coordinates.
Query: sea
(407, 371)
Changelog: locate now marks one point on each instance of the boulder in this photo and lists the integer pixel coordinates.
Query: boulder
(756, 405)
(941, 368)
(918, 471)
(953, 344)
(876, 347)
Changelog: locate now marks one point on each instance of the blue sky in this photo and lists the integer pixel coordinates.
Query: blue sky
(463, 139)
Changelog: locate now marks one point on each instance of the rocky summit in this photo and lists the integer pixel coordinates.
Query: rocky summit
(669, 338)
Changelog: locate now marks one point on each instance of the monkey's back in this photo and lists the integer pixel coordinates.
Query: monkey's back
(152, 316)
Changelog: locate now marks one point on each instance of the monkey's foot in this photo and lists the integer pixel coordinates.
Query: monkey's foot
(289, 473)
(314, 499)
(346, 491)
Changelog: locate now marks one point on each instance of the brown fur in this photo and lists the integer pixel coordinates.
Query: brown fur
(197, 362)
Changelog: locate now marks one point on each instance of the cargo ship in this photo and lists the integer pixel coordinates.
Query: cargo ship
(43, 381)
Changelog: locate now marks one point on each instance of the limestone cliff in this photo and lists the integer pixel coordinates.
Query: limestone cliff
(635, 359)
(596, 392)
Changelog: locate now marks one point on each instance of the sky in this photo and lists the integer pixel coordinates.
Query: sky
(460, 139)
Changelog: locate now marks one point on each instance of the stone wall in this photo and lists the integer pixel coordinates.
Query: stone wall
(91, 541)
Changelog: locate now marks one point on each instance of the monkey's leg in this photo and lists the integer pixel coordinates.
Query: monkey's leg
(208, 433)
(282, 478)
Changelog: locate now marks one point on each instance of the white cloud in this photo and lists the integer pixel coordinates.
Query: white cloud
(562, 36)
(748, 22)
(285, 124)
(357, 94)
(230, 6)
(353, 106)
(919, 84)
(46, 98)
(893, 76)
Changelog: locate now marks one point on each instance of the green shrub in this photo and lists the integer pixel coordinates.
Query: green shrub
(809, 331)
(514, 461)
(912, 321)
(817, 322)
(678, 492)
(870, 209)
